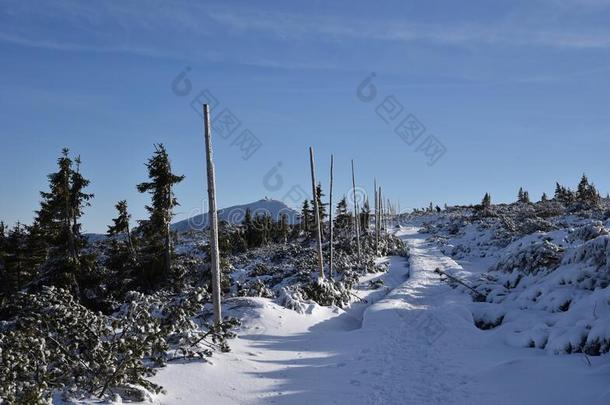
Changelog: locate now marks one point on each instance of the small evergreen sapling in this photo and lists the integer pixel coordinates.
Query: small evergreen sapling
(343, 218)
(121, 258)
(306, 217)
(365, 216)
(486, 202)
(120, 226)
(321, 205)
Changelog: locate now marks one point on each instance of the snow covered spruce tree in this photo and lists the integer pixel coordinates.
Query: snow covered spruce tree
(587, 195)
(261, 230)
(523, 197)
(265, 228)
(237, 242)
(62, 334)
(306, 217)
(282, 229)
(250, 232)
(36, 246)
(564, 195)
(156, 253)
(58, 219)
(14, 272)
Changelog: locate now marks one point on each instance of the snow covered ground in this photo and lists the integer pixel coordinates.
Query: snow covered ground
(413, 342)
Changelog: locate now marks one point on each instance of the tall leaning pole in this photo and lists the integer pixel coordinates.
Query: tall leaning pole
(316, 212)
(356, 213)
(213, 217)
(330, 222)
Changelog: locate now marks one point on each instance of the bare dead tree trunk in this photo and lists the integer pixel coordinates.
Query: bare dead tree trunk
(376, 216)
(364, 223)
(379, 208)
(397, 213)
(356, 214)
(316, 213)
(213, 217)
(380, 212)
(382, 208)
(478, 294)
(330, 222)
(388, 210)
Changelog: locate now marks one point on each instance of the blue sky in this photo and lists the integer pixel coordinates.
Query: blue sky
(515, 91)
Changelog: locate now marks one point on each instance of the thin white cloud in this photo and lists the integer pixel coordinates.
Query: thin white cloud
(99, 27)
(291, 26)
(17, 39)
(180, 31)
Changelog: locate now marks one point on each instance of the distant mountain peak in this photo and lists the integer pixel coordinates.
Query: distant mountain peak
(235, 214)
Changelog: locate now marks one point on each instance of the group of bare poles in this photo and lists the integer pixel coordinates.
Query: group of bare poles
(312, 164)
(382, 213)
(380, 216)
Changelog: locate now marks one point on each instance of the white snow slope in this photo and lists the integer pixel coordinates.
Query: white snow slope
(413, 343)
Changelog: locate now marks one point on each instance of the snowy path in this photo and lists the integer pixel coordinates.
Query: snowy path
(416, 344)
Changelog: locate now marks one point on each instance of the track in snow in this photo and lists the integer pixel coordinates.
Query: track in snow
(416, 344)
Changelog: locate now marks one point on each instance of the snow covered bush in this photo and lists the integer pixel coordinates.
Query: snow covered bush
(53, 343)
(552, 291)
(530, 259)
(588, 231)
(255, 288)
(593, 260)
(547, 278)
(530, 225)
(393, 246)
(292, 298)
(327, 292)
(288, 272)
